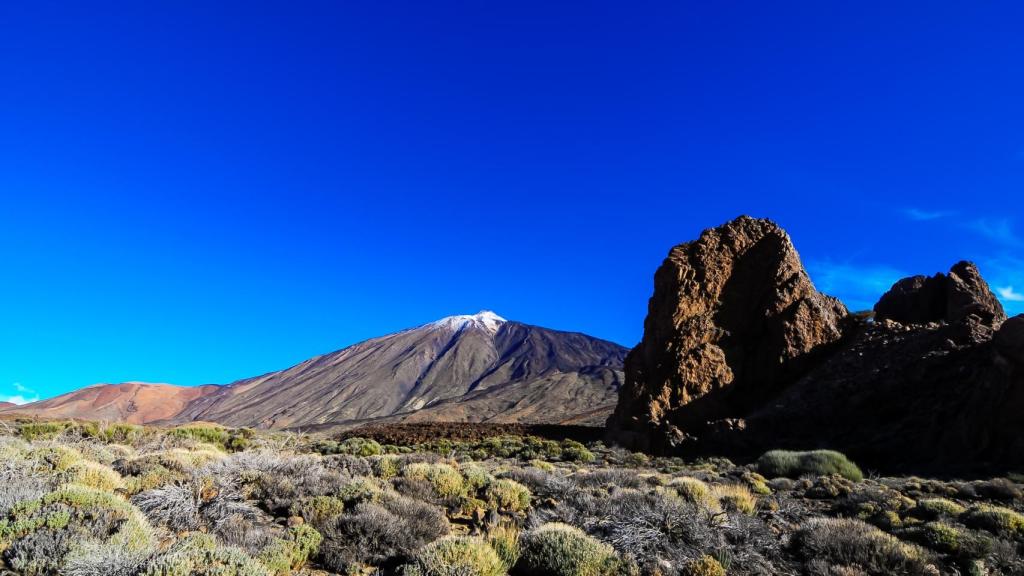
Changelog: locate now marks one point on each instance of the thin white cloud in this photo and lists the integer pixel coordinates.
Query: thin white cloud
(25, 395)
(998, 230)
(858, 286)
(18, 399)
(1004, 271)
(925, 215)
(1009, 294)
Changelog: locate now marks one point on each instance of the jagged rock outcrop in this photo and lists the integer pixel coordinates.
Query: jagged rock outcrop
(934, 383)
(733, 319)
(941, 298)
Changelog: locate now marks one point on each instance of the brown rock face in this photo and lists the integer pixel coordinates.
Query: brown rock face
(741, 355)
(733, 319)
(941, 298)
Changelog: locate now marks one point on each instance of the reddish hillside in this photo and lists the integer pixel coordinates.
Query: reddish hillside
(134, 402)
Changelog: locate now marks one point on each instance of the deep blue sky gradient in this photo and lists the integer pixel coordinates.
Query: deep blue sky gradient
(195, 192)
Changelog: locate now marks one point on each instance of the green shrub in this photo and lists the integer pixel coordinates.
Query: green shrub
(557, 549)
(352, 446)
(459, 556)
(386, 467)
(543, 465)
(41, 430)
(359, 490)
(291, 553)
(121, 433)
(505, 541)
(94, 475)
(735, 497)
(444, 478)
(695, 491)
(476, 477)
(318, 510)
(508, 495)
(199, 555)
(53, 459)
(704, 566)
(995, 519)
(573, 451)
(932, 508)
(816, 462)
(937, 536)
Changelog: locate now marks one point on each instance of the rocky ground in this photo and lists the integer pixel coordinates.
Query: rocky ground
(89, 499)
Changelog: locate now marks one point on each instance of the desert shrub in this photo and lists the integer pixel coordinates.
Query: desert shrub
(875, 503)
(935, 535)
(543, 465)
(174, 506)
(386, 467)
(815, 462)
(92, 559)
(318, 510)
(556, 549)
(459, 556)
(291, 552)
(353, 446)
(276, 480)
(18, 487)
(41, 430)
(998, 489)
(735, 497)
(348, 464)
(573, 451)
(121, 433)
(360, 490)
(995, 519)
(829, 487)
(476, 476)
(94, 475)
(378, 532)
(695, 491)
(49, 459)
(505, 541)
(508, 495)
(704, 566)
(933, 508)
(445, 479)
(850, 542)
(41, 533)
(199, 555)
(216, 435)
(758, 484)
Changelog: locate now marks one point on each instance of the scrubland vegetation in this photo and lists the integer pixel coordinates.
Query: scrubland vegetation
(87, 499)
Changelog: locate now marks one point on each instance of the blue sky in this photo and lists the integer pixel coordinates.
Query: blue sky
(196, 192)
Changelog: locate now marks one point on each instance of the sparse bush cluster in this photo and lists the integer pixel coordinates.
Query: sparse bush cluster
(89, 499)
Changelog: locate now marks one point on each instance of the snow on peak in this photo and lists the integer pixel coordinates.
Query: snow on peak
(484, 319)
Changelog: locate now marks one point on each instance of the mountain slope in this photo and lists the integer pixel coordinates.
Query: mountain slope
(494, 365)
(133, 402)
(472, 368)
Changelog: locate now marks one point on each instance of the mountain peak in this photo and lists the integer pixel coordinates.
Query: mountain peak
(484, 319)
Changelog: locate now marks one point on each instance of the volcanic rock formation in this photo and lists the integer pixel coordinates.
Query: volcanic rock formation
(934, 383)
(733, 320)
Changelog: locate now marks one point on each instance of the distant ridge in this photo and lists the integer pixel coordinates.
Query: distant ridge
(466, 368)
